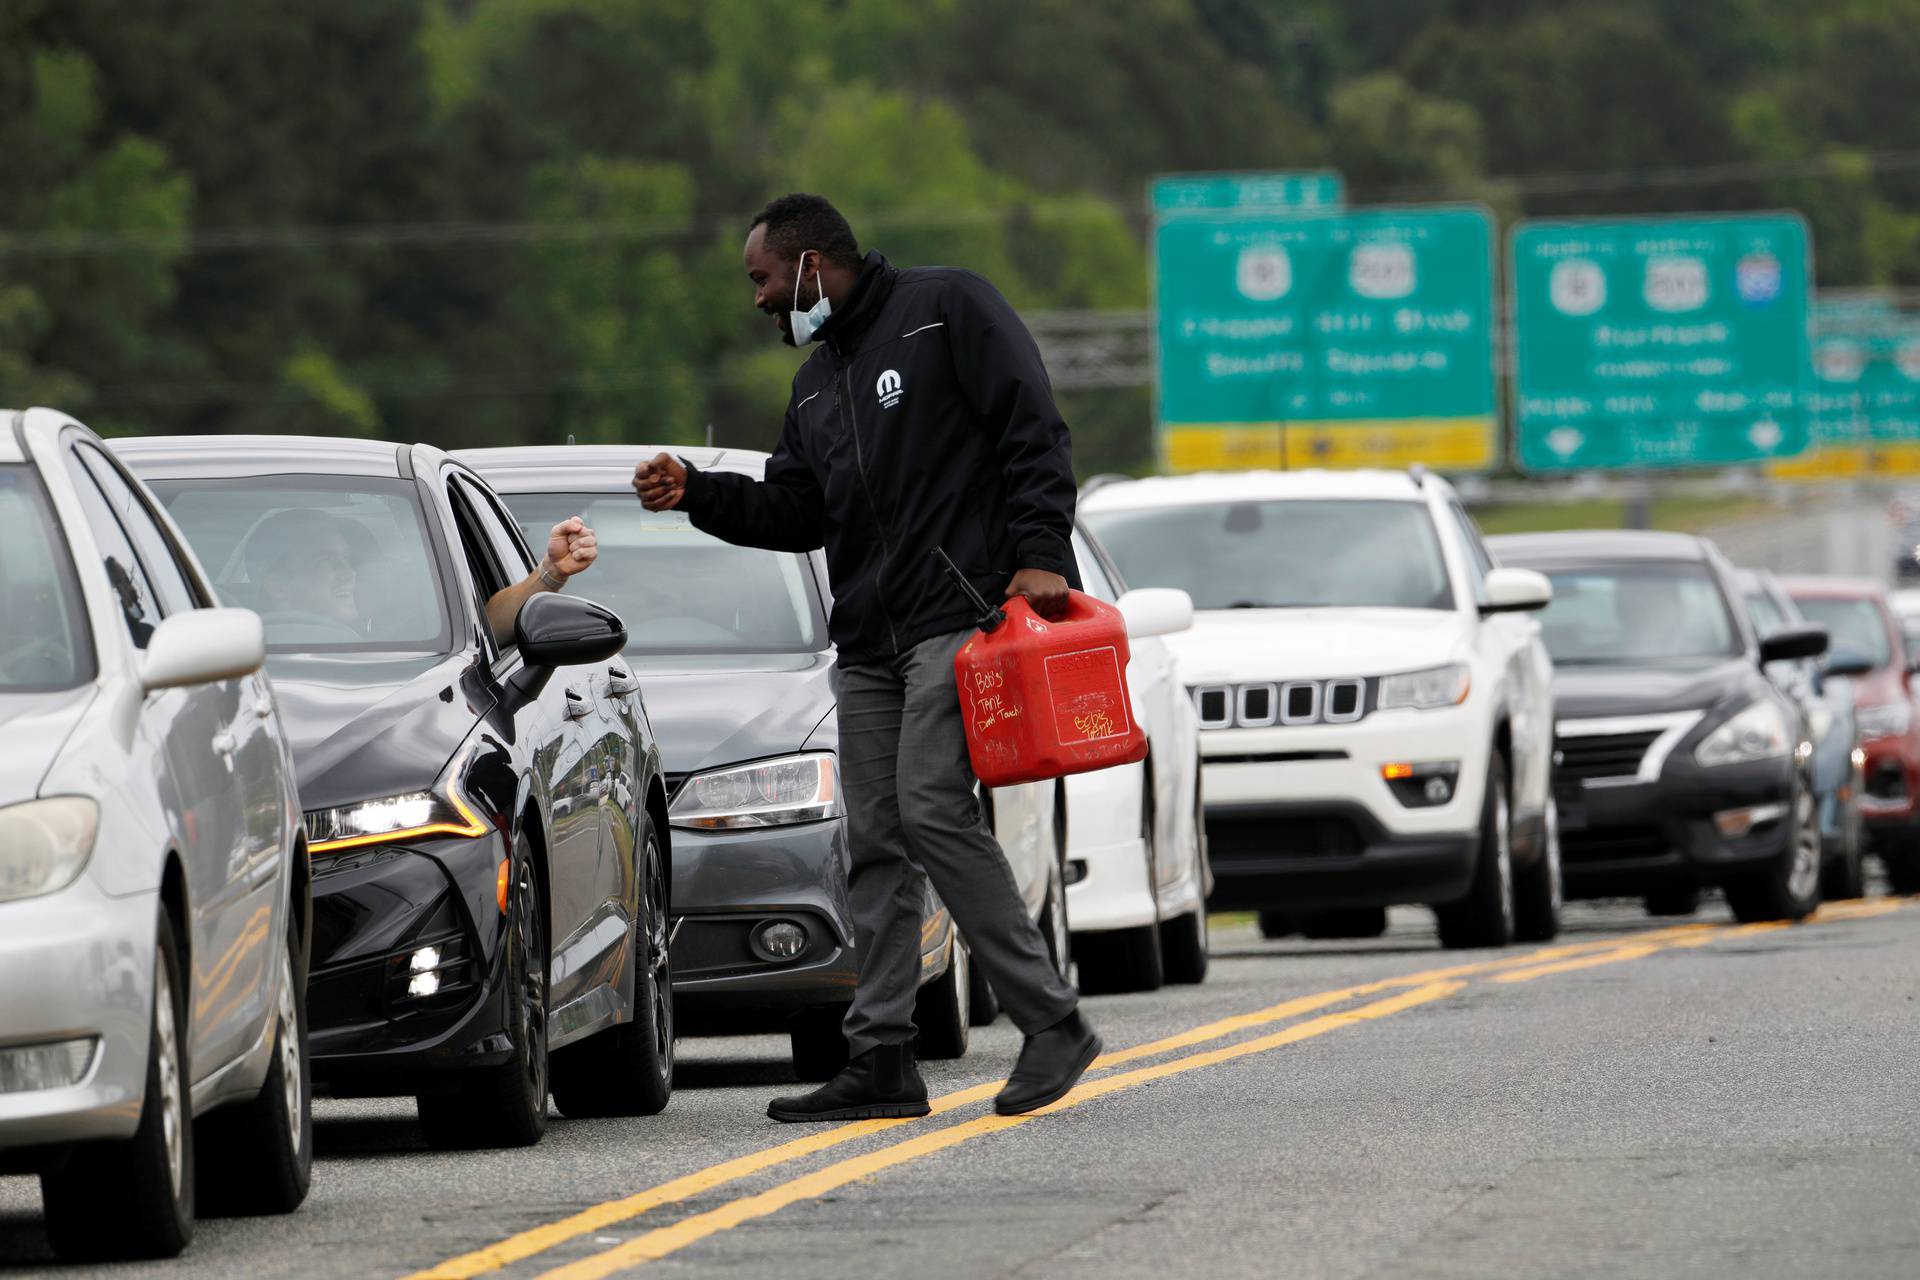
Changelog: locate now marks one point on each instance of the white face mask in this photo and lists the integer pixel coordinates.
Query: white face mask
(806, 324)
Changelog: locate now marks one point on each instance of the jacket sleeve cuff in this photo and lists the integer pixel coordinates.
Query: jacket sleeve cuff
(695, 492)
(1049, 553)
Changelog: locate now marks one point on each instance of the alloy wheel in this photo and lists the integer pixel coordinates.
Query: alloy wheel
(290, 1051)
(1503, 857)
(659, 967)
(1803, 877)
(533, 979)
(172, 1109)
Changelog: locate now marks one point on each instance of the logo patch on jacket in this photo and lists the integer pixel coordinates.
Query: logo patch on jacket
(888, 389)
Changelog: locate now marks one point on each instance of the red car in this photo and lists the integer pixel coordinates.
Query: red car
(1855, 612)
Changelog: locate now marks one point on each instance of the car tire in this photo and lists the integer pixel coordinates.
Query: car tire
(1679, 900)
(1903, 870)
(1185, 950)
(1484, 917)
(506, 1105)
(1275, 925)
(1342, 922)
(943, 1012)
(257, 1158)
(1790, 888)
(1115, 961)
(627, 1069)
(1054, 927)
(818, 1043)
(1845, 874)
(146, 1183)
(1539, 891)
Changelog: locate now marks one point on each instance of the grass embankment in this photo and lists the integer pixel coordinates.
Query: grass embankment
(1681, 514)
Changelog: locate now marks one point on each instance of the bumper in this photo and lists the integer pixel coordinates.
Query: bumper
(1891, 801)
(1107, 886)
(78, 963)
(373, 911)
(725, 886)
(1328, 854)
(1631, 837)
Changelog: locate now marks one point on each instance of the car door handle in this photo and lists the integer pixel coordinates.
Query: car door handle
(621, 684)
(577, 706)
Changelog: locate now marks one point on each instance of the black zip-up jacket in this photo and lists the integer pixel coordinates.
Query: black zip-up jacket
(925, 419)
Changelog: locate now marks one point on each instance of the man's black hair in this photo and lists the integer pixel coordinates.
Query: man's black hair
(798, 222)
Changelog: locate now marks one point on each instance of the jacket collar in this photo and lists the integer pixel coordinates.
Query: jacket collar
(844, 329)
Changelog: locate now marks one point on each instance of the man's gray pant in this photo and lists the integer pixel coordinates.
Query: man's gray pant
(912, 815)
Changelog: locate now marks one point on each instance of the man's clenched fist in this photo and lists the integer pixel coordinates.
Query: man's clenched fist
(571, 547)
(1046, 592)
(661, 483)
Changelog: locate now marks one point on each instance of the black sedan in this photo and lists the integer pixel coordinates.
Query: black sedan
(484, 806)
(1677, 763)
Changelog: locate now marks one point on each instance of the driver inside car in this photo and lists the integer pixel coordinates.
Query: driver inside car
(303, 565)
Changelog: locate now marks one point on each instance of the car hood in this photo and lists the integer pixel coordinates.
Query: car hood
(1581, 693)
(364, 726)
(1225, 646)
(708, 711)
(1879, 687)
(35, 726)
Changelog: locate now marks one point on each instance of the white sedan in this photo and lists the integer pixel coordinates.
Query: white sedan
(154, 893)
(1137, 876)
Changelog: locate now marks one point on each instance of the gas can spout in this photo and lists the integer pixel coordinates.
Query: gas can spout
(991, 616)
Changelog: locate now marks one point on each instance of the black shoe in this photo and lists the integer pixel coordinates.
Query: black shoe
(1051, 1063)
(880, 1084)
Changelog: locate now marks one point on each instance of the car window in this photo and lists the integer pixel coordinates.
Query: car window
(1764, 614)
(497, 529)
(1637, 614)
(139, 605)
(682, 591)
(1473, 551)
(44, 643)
(1855, 624)
(1093, 577)
(1290, 554)
(333, 564)
(150, 541)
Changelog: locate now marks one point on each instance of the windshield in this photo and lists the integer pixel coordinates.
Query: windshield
(1638, 614)
(332, 564)
(43, 632)
(1856, 625)
(1291, 554)
(681, 590)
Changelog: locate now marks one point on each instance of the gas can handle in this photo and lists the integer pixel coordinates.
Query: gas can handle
(990, 616)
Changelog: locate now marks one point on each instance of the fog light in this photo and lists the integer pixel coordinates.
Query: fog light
(425, 960)
(779, 940)
(1734, 823)
(58, 1064)
(1421, 784)
(423, 984)
(424, 965)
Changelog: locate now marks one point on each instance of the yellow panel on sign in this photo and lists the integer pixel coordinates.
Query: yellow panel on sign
(1900, 458)
(1445, 444)
(1824, 462)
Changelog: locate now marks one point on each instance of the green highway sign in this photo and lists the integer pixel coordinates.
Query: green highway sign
(1864, 409)
(1333, 339)
(1175, 193)
(1660, 342)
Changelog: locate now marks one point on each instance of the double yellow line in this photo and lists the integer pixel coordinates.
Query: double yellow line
(1412, 990)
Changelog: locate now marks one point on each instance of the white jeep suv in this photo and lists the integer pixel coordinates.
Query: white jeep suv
(1375, 701)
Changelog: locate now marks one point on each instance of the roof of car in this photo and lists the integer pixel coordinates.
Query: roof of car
(1833, 587)
(562, 467)
(1250, 486)
(1597, 544)
(209, 457)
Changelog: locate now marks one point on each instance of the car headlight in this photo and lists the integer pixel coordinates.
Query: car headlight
(443, 810)
(1434, 687)
(771, 793)
(1757, 731)
(44, 844)
(1888, 720)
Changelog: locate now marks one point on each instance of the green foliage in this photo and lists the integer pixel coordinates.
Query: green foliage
(489, 221)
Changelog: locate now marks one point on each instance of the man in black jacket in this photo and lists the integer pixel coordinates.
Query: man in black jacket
(924, 421)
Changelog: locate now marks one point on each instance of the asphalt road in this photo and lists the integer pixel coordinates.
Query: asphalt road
(1640, 1098)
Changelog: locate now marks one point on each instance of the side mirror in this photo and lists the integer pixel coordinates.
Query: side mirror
(555, 630)
(1794, 642)
(202, 646)
(1847, 662)
(1516, 591)
(1156, 611)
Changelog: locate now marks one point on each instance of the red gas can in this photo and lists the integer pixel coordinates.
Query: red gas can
(1044, 699)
